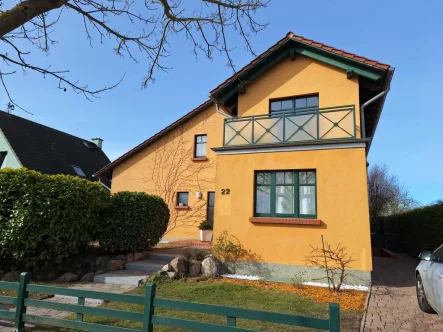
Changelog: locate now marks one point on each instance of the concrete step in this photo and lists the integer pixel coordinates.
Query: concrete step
(147, 265)
(122, 277)
(162, 257)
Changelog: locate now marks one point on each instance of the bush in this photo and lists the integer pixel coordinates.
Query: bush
(135, 221)
(422, 228)
(45, 218)
(228, 248)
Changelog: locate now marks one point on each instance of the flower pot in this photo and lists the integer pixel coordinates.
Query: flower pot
(206, 235)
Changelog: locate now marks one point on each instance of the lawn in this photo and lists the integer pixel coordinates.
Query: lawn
(229, 294)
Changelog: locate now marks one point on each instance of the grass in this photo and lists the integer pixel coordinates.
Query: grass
(226, 294)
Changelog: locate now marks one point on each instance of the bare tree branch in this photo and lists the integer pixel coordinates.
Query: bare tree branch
(140, 30)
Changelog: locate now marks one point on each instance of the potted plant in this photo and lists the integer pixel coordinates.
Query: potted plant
(205, 228)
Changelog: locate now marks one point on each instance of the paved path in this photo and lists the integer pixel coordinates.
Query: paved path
(393, 304)
(6, 326)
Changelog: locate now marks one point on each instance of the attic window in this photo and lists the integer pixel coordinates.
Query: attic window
(2, 157)
(79, 171)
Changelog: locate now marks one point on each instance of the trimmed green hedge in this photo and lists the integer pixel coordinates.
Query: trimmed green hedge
(135, 221)
(422, 228)
(45, 218)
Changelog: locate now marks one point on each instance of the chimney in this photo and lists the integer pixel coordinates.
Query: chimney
(98, 141)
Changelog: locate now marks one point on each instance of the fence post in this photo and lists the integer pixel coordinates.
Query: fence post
(231, 321)
(334, 317)
(81, 301)
(19, 323)
(148, 310)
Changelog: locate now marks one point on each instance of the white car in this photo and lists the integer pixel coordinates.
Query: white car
(429, 281)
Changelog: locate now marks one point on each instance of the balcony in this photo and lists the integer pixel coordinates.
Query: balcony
(307, 124)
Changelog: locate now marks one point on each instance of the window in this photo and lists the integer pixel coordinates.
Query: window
(182, 199)
(79, 171)
(2, 157)
(200, 146)
(285, 194)
(293, 104)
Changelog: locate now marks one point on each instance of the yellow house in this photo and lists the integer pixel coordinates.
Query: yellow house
(276, 157)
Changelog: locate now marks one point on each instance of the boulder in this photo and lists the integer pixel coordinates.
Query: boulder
(172, 275)
(99, 272)
(69, 277)
(116, 264)
(88, 277)
(138, 256)
(129, 258)
(98, 260)
(12, 276)
(194, 268)
(166, 268)
(180, 265)
(209, 267)
(120, 257)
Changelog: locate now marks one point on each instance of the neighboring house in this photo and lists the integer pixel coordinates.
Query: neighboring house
(24, 143)
(282, 148)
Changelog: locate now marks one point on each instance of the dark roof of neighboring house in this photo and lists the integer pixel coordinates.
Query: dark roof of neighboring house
(48, 150)
(106, 171)
(372, 68)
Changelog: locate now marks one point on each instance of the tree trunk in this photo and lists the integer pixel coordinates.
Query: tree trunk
(24, 12)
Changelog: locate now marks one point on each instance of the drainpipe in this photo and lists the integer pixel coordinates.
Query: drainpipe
(370, 101)
(218, 110)
(104, 185)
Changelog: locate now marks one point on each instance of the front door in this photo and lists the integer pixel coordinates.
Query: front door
(210, 208)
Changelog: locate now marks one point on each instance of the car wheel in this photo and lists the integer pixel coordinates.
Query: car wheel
(421, 297)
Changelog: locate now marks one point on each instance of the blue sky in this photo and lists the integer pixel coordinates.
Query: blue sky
(406, 35)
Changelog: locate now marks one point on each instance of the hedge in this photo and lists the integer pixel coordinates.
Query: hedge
(135, 221)
(422, 228)
(45, 218)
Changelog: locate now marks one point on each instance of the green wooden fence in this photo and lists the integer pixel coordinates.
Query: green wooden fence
(148, 318)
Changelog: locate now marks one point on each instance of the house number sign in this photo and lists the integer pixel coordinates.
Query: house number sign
(226, 191)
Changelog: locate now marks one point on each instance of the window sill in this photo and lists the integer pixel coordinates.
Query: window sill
(196, 159)
(182, 207)
(285, 221)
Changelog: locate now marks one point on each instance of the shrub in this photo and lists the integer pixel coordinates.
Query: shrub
(227, 247)
(45, 218)
(195, 254)
(422, 228)
(205, 225)
(135, 221)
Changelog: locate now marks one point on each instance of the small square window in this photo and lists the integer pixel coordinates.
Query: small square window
(182, 198)
(79, 171)
(200, 146)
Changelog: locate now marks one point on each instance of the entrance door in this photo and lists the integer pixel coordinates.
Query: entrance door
(210, 208)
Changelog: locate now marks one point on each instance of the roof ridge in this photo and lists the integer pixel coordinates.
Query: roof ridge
(157, 135)
(42, 125)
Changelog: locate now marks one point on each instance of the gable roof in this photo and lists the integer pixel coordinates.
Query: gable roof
(372, 69)
(48, 150)
(289, 45)
(107, 170)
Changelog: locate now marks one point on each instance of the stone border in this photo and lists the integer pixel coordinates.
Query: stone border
(363, 320)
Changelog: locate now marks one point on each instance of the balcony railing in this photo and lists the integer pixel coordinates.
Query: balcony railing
(307, 124)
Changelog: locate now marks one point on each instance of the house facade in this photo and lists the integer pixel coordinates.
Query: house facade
(276, 157)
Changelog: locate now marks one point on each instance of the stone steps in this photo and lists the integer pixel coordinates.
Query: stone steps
(147, 265)
(135, 272)
(122, 277)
